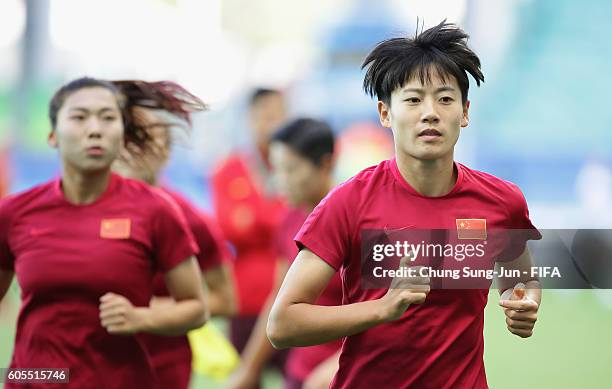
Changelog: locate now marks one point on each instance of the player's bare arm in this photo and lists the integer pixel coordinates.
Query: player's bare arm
(221, 296)
(189, 311)
(295, 321)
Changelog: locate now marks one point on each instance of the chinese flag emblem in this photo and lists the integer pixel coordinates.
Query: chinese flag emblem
(472, 229)
(115, 228)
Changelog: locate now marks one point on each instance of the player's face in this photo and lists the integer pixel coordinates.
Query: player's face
(89, 130)
(267, 114)
(148, 166)
(426, 119)
(298, 179)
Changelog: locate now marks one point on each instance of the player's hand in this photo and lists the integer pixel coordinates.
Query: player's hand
(243, 378)
(403, 292)
(118, 316)
(521, 311)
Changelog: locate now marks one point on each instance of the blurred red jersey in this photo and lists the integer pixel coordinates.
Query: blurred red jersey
(437, 344)
(171, 355)
(249, 219)
(67, 256)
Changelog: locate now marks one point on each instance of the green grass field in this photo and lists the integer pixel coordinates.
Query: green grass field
(571, 348)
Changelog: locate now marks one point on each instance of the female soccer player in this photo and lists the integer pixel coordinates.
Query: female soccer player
(249, 211)
(406, 335)
(85, 247)
(158, 107)
(301, 156)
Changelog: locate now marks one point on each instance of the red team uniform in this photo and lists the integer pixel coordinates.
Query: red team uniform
(67, 256)
(171, 355)
(437, 344)
(249, 217)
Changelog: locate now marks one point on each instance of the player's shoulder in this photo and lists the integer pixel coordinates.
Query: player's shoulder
(489, 182)
(360, 186)
(27, 198)
(14, 205)
(194, 216)
(143, 194)
(186, 205)
(237, 160)
(372, 176)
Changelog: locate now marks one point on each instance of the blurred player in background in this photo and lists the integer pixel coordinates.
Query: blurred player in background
(158, 108)
(302, 159)
(406, 335)
(85, 248)
(249, 213)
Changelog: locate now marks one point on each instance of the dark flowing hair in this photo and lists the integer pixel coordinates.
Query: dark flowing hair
(161, 95)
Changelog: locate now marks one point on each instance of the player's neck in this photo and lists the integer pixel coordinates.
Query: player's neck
(83, 189)
(431, 178)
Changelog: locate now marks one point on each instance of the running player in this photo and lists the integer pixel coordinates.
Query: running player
(301, 156)
(408, 336)
(157, 108)
(249, 211)
(85, 247)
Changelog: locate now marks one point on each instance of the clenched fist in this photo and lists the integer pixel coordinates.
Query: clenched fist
(403, 292)
(520, 310)
(118, 316)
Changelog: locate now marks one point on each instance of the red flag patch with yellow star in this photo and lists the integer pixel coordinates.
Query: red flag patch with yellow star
(115, 228)
(471, 229)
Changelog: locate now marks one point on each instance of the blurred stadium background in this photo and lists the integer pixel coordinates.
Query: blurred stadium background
(541, 120)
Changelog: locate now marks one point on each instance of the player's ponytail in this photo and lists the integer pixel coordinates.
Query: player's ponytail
(174, 103)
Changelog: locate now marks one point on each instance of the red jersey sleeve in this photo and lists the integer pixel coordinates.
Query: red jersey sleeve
(209, 239)
(520, 228)
(173, 242)
(327, 231)
(6, 256)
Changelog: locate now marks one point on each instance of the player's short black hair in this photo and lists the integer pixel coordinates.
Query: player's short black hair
(312, 139)
(60, 96)
(442, 49)
(261, 92)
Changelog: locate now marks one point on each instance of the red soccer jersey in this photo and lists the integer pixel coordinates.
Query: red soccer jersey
(438, 344)
(171, 351)
(303, 360)
(249, 218)
(67, 256)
